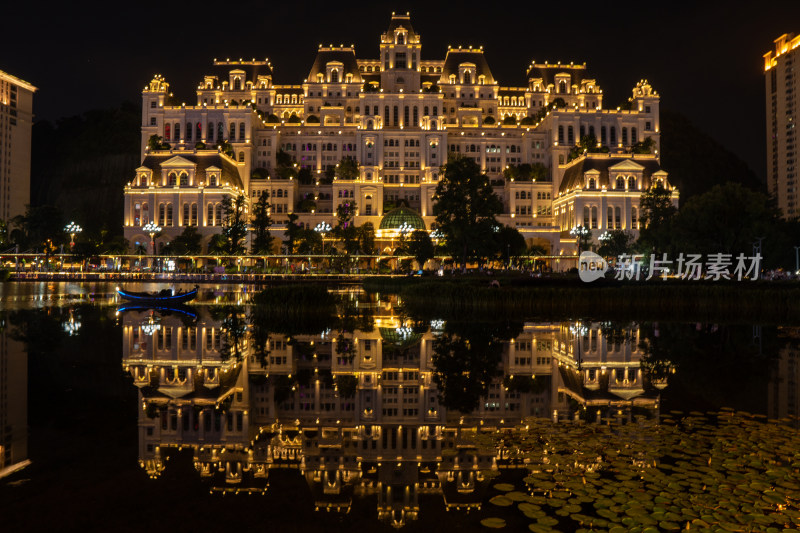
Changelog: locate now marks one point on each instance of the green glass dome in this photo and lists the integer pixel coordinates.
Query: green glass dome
(395, 218)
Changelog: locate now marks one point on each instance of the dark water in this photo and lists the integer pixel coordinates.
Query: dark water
(224, 416)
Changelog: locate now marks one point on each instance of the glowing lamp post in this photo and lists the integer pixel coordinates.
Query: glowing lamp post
(73, 229)
(322, 228)
(151, 229)
(579, 232)
(405, 228)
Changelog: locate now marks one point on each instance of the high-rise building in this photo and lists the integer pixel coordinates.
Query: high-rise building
(782, 105)
(554, 155)
(16, 121)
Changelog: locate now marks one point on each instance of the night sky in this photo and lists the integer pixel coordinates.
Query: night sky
(706, 61)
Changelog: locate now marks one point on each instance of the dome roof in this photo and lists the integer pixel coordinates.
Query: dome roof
(395, 218)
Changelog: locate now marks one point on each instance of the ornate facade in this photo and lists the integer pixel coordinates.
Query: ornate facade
(399, 116)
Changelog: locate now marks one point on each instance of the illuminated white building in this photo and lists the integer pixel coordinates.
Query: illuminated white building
(399, 116)
(782, 103)
(16, 121)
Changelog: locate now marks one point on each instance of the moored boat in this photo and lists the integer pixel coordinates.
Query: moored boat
(162, 297)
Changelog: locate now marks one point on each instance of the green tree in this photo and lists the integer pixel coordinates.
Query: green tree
(262, 238)
(587, 145)
(525, 172)
(39, 226)
(465, 208)
(510, 242)
(155, 142)
(305, 177)
(234, 224)
(345, 229)
(645, 146)
(727, 219)
(309, 242)
(225, 147)
(366, 238)
(347, 169)
(190, 241)
(292, 233)
(420, 246)
(217, 245)
(615, 242)
(285, 167)
(657, 214)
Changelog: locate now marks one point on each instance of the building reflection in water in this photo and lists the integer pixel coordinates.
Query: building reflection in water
(359, 413)
(13, 401)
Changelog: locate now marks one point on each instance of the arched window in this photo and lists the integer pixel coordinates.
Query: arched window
(218, 221)
(395, 116)
(592, 183)
(241, 131)
(433, 124)
(586, 216)
(184, 179)
(591, 132)
(401, 38)
(167, 132)
(594, 217)
(603, 140)
(634, 218)
(199, 131)
(212, 180)
(386, 115)
(210, 215)
(162, 216)
(617, 218)
(570, 135)
(241, 157)
(169, 215)
(415, 123)
(185, 219)
(624, 136)
(561, 134)
(188, 131)
(172, 180)
(194, 215)
(613, 134)
(562, 87)
(425, 110)
(334, 76)
(369, 124)
(467, 78)
(406, 120)
(210, 131)
(177, 132)
(232, 134)
(237, 84)
(632, 183)
(634, 136)
(620, 183)
(610, 218)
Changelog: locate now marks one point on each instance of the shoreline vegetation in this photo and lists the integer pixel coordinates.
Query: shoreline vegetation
(568, 297)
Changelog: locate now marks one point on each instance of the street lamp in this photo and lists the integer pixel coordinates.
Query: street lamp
(151, 228)
(322, 228)
(405, 228)
(72, 228)
(579, 232)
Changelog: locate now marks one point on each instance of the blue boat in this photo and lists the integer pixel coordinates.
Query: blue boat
(163, 298)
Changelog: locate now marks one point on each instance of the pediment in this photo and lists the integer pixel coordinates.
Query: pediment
(628, 166)
(177, 162)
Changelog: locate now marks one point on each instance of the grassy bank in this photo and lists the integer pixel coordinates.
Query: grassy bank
(524, 297)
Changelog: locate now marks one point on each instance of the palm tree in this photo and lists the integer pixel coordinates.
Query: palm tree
(217, 245)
